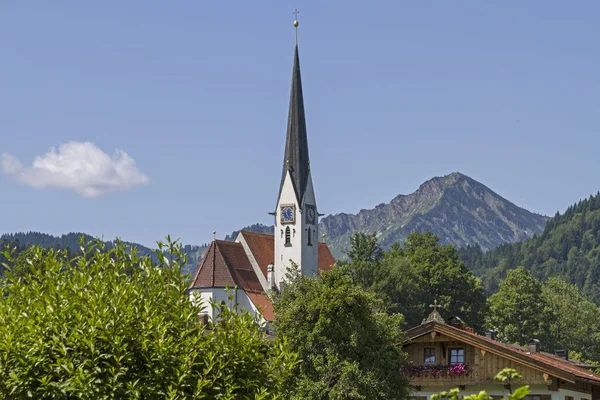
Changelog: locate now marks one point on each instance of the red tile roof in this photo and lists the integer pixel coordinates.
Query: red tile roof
(226, 264)
(262, 302)
(262, 247)
(548, 363)
(326, 259)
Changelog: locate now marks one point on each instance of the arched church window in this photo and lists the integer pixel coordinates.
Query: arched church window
(309, 237)
(288, 237)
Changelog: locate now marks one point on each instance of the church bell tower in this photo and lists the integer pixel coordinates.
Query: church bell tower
(296, 216)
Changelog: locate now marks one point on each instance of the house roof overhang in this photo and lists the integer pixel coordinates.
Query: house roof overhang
(553, 367)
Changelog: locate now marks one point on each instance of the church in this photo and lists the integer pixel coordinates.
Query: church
(255, 263)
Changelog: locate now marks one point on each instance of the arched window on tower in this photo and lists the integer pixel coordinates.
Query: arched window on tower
(288, 237)
(309, 237)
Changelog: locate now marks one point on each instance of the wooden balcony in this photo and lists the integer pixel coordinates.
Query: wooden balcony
(454, 376)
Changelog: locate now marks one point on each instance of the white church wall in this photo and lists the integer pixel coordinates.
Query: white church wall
(203, 297)
(221, 296)
(206, 297)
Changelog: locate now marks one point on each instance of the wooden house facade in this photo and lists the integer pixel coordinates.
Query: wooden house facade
(446, 356)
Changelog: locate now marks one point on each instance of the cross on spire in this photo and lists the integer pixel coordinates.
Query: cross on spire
(435, 315)
(296, 12)
(435, 305)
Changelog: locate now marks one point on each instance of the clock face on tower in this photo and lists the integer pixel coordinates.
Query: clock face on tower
(311, 214)
(288, 214)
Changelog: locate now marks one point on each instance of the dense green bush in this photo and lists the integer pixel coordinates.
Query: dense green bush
(110, 324)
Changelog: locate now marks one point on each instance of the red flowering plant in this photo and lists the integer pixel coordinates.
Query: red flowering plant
(436, 370)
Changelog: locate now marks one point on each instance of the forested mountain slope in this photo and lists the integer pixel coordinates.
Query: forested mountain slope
(569, 247)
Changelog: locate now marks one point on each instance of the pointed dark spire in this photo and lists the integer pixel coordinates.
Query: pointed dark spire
(296, 144)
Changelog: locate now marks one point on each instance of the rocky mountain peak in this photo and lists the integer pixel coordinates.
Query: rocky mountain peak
(458, 209)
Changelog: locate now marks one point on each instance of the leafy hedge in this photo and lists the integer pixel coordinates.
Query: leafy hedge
(109, 324)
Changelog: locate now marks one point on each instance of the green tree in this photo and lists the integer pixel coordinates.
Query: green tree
(574, 321)
(347, 341)
(442, 276)
(507, 376)
(517, 311)
(110, 324)
(365, 257)
(412, 276)
(421, 271)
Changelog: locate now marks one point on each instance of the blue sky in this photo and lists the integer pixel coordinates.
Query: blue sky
(196, 94)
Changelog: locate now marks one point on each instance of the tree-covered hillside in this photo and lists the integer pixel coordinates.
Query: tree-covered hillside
(569, 247)
(70, 241)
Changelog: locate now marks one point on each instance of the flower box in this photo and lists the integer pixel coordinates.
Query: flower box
(436, 371)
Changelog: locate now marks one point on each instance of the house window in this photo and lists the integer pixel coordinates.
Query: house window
(430, 355)
(309, 237)
(569, 398)
(288, 237)
(457, 356)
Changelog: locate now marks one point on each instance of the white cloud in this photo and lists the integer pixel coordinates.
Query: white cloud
(78, 166)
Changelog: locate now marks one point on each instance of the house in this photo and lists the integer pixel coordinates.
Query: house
(444, 355)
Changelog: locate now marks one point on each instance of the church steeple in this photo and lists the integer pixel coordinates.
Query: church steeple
(296, 213)
(296, 144)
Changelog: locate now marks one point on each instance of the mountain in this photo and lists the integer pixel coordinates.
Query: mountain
(456, 208)
(70, 241)
(568, 247)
